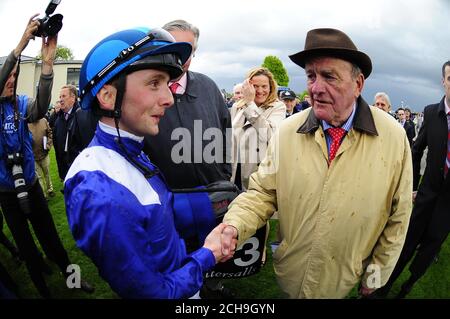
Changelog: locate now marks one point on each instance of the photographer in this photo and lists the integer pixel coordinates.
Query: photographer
(21, 196)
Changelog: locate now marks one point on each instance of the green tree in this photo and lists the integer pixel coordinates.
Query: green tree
(62, 53)
(277, 68)
(302, 95)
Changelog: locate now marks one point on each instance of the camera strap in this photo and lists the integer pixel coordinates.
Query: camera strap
(14, 101)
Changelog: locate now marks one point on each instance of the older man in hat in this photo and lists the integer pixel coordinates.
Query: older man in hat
(340, 176)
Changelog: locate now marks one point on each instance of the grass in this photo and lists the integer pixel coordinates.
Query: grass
(435, 283)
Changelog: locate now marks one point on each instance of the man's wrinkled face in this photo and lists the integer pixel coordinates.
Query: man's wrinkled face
(382, 104)
(290, 103)
(333, 88)
(237, 93)
(66, 99)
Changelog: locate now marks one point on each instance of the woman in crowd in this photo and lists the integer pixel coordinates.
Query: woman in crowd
(254, 120)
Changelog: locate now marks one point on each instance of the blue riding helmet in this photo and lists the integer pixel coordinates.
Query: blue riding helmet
(130, 51)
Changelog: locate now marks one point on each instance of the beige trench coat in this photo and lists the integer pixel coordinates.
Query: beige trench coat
(38, 130)
(334, 221)
(252, 129)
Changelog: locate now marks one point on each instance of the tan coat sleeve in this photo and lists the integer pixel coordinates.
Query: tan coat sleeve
(389, 246)
(37, 108)
(259, 120)
(48, 132)
(251, 210)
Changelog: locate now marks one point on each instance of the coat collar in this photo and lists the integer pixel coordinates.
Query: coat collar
(363, 120)
(441, 107)
(191, 88)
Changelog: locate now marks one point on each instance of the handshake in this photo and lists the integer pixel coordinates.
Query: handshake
(222, 241)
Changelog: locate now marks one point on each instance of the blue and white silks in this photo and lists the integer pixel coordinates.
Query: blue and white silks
(125, 222)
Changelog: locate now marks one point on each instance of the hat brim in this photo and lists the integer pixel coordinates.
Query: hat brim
(361, 59)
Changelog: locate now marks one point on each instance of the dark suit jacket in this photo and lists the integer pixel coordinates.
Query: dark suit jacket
(433, 196)
(410, 131)
(200, 108)
(60, 131)
(84, 125)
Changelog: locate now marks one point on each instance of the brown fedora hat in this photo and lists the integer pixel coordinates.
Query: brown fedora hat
(334, 43)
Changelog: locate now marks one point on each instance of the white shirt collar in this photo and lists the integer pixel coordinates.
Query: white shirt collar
(447, 108)
(113, 131)
(69, 111)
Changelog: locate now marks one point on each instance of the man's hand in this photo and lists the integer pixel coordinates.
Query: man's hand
(214, 243)
(229, 242)
(32, 26)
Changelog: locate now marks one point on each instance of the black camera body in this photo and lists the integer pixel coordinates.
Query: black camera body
(15, 161)
(50, 25)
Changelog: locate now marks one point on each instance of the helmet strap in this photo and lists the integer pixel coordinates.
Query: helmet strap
(120, 84)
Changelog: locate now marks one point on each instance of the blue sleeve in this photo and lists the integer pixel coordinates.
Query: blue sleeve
(135, 247)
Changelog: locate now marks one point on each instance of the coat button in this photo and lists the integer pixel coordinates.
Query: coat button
(257, 149)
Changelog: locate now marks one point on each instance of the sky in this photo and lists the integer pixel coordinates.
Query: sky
(407, 40)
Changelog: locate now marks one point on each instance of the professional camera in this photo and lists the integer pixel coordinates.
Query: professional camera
(50, 25)
(15, 160)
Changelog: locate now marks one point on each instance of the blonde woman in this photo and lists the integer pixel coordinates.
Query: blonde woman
(254, 120)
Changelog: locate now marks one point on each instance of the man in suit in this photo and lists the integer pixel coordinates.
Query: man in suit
(409, 128)
(199, 107)
(430, 219)
(63, 127)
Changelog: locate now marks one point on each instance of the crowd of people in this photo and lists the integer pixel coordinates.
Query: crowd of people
(142, 129)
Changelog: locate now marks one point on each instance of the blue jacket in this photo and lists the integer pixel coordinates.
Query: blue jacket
(14, 140)
(125, 222)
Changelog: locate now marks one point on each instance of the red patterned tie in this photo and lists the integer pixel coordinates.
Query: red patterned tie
(447, 160)
(173, 87)
(336, 133)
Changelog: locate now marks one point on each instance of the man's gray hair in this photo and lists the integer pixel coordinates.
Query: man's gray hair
(183, 26)
(72, 89)
(356, 70)
(236, 86)
(384, 96)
